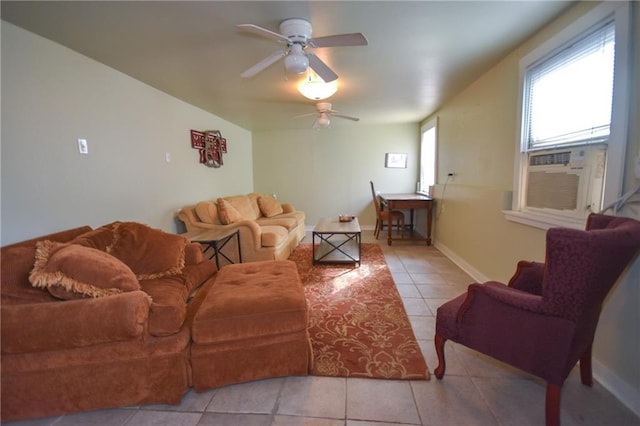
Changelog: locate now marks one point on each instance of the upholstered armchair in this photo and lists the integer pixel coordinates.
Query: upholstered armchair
(544, 321)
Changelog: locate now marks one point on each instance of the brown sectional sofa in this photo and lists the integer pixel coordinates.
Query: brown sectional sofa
(269, 230)
(125, 338)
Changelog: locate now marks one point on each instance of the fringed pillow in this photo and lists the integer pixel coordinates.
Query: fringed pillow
(269, 206)
(150, 253)
(72, 271)
(227, 213)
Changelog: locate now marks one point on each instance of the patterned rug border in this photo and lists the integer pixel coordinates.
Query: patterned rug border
(358, 324)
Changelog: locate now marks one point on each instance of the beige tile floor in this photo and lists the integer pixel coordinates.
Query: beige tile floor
(475, 390)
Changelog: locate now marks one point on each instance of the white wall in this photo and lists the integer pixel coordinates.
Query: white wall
(327, 172)
(51, 96)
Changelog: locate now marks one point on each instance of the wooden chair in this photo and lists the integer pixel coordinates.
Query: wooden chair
(543, 322)
(388, 216)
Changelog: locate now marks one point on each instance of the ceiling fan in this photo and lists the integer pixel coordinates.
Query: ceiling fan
(296, 35)
(324, 112)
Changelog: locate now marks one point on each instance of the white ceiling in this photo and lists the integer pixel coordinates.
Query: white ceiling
(420, 53)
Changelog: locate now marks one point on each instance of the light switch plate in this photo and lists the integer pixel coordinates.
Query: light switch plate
(83, 147)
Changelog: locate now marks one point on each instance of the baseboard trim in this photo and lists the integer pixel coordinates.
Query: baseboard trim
(626, 394)
(462, 264)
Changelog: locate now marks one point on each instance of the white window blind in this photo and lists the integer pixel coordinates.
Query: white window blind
(569, 95)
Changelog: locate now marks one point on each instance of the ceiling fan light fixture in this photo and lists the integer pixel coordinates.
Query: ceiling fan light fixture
(296, 61)
(323, 121)
(316, 89)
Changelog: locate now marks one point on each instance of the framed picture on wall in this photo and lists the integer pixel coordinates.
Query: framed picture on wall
(395, 160)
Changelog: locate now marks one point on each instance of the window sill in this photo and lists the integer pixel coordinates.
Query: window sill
(542, 221)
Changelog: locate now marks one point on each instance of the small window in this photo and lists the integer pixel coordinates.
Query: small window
(573, 121)
(428, 143)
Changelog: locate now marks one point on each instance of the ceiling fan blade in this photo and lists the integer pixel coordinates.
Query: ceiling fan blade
(321, 68)
(254, 29)
(339, 40)
(304, 115)
(263, 64)
(346, 116)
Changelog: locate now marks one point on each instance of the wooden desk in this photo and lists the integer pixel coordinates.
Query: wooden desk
(408, 202)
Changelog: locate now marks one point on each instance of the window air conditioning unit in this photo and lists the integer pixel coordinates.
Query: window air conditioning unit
(565, 181)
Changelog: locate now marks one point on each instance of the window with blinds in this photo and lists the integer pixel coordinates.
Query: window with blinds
(573, 119)
(568, 96)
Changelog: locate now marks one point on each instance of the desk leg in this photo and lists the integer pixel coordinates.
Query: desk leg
(389, 224)
(411, 229)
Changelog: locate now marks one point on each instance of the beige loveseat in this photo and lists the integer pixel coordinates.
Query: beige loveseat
(269, 230)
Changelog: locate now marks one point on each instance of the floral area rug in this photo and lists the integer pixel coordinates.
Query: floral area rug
(358, 324)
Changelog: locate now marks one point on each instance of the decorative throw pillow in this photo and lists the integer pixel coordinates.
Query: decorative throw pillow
(247, 208)
(207, 212)
(269, 206)
(227, 213)
(71, 271)
(99, 238)
(149, 252)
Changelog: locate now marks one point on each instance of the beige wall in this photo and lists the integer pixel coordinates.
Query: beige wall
(477, 141)
(327, 172)
(51, 96)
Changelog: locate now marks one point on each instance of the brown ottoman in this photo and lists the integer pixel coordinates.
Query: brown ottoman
(251, 325)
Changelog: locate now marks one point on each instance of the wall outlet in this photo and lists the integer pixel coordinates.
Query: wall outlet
(451, 176)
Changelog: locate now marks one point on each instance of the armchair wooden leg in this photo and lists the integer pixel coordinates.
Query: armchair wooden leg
(585, 369)
(439, 342)
(552, 405)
